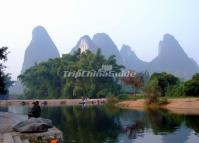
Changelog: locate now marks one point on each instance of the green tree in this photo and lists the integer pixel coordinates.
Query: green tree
(191, 87)
(164, 81)
(152, 91)
(175, 90)
(46, 80)
(5, 79)
(163, 121)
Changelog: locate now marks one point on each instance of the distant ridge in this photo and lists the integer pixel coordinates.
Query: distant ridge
(85, 43)
(131, 61)
(41, 48)
(99, 40)
(107, 46)
(172, 59)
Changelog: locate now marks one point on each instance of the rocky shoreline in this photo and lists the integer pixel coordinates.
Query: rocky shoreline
(8, 135)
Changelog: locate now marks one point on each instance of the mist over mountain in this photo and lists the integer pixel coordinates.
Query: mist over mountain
(99, 40)
(41, 48)
(172, 59)
(85, 43)
(107, 46)
(130, 60)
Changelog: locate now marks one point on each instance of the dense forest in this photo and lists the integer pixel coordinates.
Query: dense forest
(47, 80)
(164, 85)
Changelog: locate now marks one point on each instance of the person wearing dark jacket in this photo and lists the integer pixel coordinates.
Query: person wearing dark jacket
(35, 111)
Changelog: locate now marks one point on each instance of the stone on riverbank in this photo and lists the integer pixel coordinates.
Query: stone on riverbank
(9, 120)
(33, 125)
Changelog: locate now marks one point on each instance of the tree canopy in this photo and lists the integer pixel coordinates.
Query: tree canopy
(5, 79)
(191, 87)
(47, 80)
(164, 81)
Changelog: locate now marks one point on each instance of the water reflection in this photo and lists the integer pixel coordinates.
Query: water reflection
(112, 125)
(3, 109)
(181, 135)
(193, 122)
(84, 125)
(134, 130)
(163, 122)
(18, 109)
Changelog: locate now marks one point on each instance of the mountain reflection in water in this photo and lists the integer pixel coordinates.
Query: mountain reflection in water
(103, 124)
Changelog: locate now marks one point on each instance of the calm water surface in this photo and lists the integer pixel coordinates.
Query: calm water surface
(105, 124)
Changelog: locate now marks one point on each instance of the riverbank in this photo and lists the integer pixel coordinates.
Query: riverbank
(51, 102)
(178, 105)
(8, 135)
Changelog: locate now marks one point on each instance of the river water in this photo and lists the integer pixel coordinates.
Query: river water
(104, 124)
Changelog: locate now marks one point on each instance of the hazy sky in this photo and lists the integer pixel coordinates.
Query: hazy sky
(137, 23)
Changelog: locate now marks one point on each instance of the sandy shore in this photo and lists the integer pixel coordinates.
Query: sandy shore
(178, 106)
(51, 102)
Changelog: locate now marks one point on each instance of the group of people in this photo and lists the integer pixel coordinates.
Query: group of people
(35, 111)
(93, 101)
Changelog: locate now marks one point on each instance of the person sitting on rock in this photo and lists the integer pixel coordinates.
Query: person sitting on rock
(35, 111)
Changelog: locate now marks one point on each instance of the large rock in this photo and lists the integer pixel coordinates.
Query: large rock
(33, 125)
(8, 120)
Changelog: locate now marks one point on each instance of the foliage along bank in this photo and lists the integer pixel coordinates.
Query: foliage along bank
(47, 80)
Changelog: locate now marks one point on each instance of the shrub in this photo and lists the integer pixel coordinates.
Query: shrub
(112, 100)
(152, 92)
(162, 100)
(124, 96)
(103, 93)
(164, 81)
(191, 87)
(175, 91)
